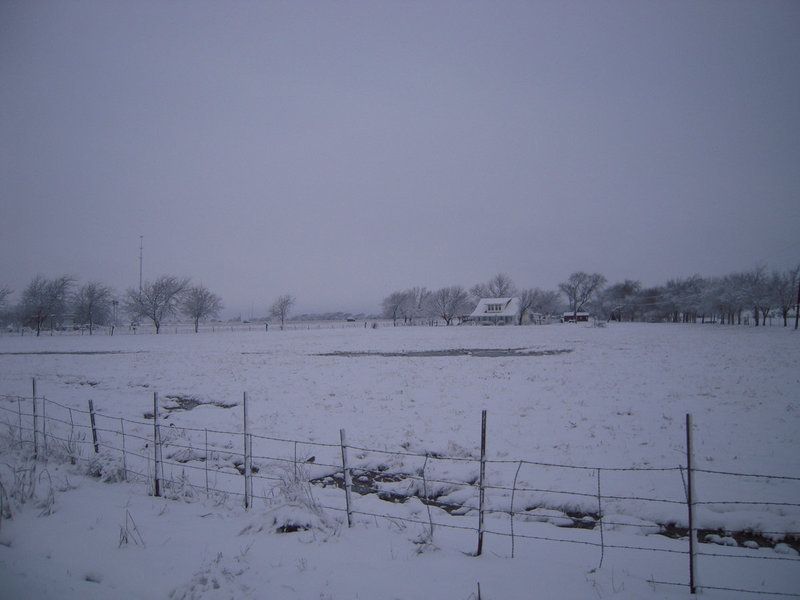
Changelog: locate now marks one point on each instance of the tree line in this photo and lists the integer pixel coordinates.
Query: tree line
(746, 296)
(48, 303)
(751, 296)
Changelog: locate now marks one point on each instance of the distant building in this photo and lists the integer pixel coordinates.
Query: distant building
(496, 311)
(571, 317)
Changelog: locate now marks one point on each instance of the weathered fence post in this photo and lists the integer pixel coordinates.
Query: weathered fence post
(94, 427)
(124, 454)
(73, 448)
(244, 464)
(156, 484)
(295, 461)
(205, 462)
(511, 511)
(35, 438)
(600, 522)
(482, 483)
(690, 501)
(19, 412)
(427, 499)
(44, 426)
(348, 483)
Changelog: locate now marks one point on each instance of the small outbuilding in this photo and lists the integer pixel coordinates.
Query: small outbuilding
(572, 317)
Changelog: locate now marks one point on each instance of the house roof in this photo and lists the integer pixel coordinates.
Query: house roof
(510, 307)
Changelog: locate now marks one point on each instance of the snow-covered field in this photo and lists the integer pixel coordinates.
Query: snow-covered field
(611, 397)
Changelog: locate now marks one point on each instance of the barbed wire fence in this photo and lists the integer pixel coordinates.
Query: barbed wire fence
(517, 501)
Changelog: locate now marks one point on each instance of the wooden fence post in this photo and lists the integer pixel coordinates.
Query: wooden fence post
(295, 461)
(348, 483)
(600, 522)
(156, 484)
(73, 448)
(44, 426)
(482, 484)
(427, 499)
(124, 454)
(205, 462)
(690, 501)
(94, 428)
(511, 512)
(19, 413)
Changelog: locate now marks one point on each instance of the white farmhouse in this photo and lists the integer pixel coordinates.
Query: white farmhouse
(496, 311)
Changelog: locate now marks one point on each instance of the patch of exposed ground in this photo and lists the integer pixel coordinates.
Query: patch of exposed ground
(368, 482)
(176, 402)
(477, 352)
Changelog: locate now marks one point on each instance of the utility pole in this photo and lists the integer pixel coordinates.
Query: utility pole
(140, 265)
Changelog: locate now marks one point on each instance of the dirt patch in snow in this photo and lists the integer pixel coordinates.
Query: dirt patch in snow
(476, 352)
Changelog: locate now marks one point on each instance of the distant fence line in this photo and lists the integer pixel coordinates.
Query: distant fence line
(488, 497)
(310, 325)
(185, 328)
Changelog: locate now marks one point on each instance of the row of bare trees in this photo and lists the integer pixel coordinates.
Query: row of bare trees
(50, 302)
(747, 296)
(168, 296)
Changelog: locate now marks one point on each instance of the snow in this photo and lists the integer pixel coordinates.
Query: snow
(617, 399)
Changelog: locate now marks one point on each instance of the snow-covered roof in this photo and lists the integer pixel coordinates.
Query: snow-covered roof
(487, 307)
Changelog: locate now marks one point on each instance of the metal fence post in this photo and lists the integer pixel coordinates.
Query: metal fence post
(690, 501)
(482, 483)
(244, 464)
(156, 484)
(94, 427)
(348, 483)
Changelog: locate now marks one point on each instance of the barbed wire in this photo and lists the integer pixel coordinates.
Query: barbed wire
(183, 455)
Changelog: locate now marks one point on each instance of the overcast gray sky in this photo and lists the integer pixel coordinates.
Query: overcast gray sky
(340, 151)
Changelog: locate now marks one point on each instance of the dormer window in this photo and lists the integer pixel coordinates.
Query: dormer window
(494, 308)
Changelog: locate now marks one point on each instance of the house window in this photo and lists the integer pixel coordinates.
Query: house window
(494, 307)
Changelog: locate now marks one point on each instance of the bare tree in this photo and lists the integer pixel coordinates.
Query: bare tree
(527, 298)
(44, 299)
(416, 299)
(157, 300)
(280, 308)
(5, 292)
(199, 303)
(618, 301)
(393, 305)
(499, 286)
(92, 304)
(536, 300)
(759, 292)
(684, 298)
(579, 289)
(785, 286)
(448, 303)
